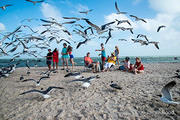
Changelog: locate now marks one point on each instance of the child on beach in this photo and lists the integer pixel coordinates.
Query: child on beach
(64, 56)
(126, 66)
(103, 54)
(138, 67)
(69, 50)
(116, 51)
(55, 58)
(49, 58)
(111, 61)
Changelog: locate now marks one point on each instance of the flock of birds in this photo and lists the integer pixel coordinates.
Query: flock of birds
(30, 41)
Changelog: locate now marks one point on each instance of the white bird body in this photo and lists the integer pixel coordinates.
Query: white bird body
(86, 84)
(46, 96)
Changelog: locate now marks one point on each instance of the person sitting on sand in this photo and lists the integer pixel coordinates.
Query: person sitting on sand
(90, 64)
(55, 58)
(138, 66)
(49, 58)
(126, 65)
(111, 61)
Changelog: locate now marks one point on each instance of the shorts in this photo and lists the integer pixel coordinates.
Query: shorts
(71, 56)
(122, 67)
(103, 58)
(108, 65)
(90, 65)
(65, 56)
(48, 62)
(56, 60)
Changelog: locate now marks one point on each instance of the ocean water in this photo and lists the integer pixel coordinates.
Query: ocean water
(41, 62)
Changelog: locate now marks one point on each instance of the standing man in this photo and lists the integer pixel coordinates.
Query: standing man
(49, 59)
(103, 55)
(64, 54)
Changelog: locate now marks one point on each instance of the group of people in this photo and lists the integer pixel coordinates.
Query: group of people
(105, 64)
(54, 56)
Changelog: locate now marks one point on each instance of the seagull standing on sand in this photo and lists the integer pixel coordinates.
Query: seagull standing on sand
(43, 93)
(166, 95)
(115, 86)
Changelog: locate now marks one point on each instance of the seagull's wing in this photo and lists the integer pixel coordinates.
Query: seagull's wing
(50, 88)
(156, 45)
(80, 43)
(166, 90)
(30, 91)
(160, 28)
(103, 27)
(108, 37)
(29, 80)
(93, 25)
(65, 41)
(68, 75)
(70, 22)
(117, 7)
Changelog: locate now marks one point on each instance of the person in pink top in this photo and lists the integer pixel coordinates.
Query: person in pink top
(69, 50)
(55, 58)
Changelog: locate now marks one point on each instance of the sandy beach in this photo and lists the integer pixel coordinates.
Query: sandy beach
(137, 100)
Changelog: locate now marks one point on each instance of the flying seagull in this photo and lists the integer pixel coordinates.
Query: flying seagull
(166, 96)
(109, 36)
(83, 42)
(43, 93)
(86, 12)
(34, 2)
(4, 7)
(137, 18)
(155, 44)
(162, 26)
(118, 11)
(141, 35)
(75, 74)
(37, 82)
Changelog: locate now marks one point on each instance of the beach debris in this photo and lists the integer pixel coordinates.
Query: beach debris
(43, 93)
(115, 86)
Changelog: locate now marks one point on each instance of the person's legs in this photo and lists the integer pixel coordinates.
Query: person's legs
(117, 60)
(140, 71)
(66, 62)
(63, 62)
(57, 65)
(72, 62)
(54, 64)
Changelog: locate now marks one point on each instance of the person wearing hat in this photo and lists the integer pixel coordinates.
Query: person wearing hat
(126, 66)
(49, 58)
(111, 61)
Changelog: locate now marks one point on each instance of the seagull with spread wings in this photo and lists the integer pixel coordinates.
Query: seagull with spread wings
(34, 2)
(118, 11)
(162, 26)
(4, 7)
(137, 18)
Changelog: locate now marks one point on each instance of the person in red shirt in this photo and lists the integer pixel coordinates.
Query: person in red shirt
(90, 64)
(138, 67)
(55, 58)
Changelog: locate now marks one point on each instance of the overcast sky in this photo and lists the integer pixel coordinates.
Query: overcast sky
(155, 12)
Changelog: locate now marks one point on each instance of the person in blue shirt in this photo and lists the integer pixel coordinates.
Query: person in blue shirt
(103, 54)
(65, 56)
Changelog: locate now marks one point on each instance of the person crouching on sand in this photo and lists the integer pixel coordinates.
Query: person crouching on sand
(126, 66)
(111, 61)
(55, 58)
(138, 66)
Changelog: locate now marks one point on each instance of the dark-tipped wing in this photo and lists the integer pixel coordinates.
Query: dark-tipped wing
(30, 91)
(50, 88)
(117, 7)
(92, 25)
(166, 90)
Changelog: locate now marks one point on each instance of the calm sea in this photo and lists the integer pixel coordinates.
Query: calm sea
(41, 62)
